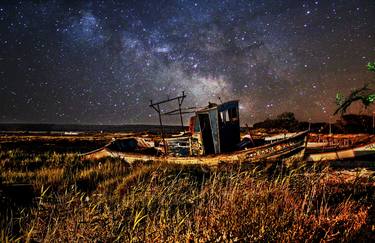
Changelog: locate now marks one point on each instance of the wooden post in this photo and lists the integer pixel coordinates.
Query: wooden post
(157, 109)
(162, 131)
(180, 100)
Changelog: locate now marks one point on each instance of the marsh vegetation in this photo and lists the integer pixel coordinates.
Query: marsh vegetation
(110, 200)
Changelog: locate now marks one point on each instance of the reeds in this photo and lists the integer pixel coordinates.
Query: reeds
(110, 200)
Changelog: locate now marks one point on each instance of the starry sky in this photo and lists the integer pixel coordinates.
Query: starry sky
(100, 62)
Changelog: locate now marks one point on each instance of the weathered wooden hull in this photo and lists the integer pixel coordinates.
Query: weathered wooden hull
(287, 150)
(367, 150)
(316, 144)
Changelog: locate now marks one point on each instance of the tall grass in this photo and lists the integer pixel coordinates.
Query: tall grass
(110, 200)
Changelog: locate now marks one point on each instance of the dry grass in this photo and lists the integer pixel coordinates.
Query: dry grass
(109, 200)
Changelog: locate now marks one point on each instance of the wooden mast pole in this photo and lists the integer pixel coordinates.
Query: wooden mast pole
(156, 107)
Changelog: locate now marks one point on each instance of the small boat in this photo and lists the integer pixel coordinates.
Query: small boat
(287, 150)
(340, 147)
(214, 137)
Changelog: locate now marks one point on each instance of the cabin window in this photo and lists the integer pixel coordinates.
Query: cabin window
(224, 116)
(233, 114)
(230, 115)
(227, 117)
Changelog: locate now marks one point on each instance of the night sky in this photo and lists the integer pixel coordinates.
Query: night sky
(100, 62)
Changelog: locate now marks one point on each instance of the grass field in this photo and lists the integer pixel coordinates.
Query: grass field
(110, 200)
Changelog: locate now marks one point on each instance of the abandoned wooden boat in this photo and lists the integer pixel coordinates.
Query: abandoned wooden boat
(340, 147)
(214, 138)
(286, 150)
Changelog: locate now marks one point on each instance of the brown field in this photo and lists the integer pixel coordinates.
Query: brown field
(48, 193)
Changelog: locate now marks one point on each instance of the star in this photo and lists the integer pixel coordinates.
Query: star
(93, 62)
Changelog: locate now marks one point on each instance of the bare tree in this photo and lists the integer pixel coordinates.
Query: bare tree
(365, 94)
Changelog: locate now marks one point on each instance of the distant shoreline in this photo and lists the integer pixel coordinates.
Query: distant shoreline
(58, 128)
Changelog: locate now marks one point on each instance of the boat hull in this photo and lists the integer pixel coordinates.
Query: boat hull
(367, 150)
(290, 149)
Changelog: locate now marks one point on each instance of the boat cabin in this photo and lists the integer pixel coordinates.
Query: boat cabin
(218, 127)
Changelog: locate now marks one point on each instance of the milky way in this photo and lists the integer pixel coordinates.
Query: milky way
(101, 62)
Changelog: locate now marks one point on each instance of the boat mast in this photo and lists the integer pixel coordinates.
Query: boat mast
(156, 107)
